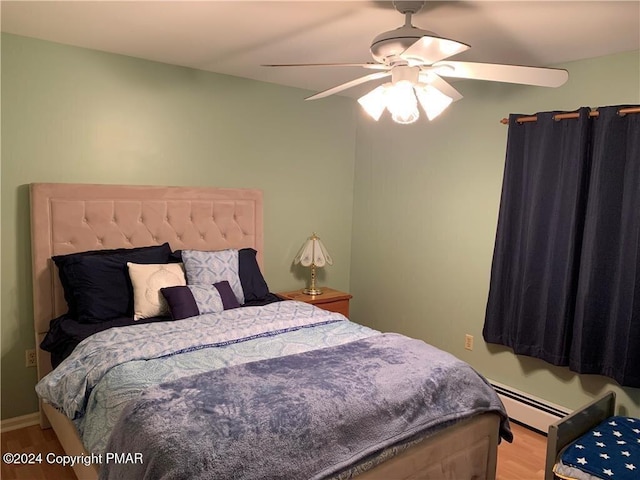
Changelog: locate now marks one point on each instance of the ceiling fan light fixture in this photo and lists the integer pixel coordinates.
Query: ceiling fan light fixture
(407, 117)
(402, 102)
(432, 100)
(374, 102)
(398, 98)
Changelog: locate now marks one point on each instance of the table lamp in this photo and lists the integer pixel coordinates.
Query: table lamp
(313, 254)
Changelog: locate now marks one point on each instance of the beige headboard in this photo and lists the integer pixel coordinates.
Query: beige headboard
(68, 218)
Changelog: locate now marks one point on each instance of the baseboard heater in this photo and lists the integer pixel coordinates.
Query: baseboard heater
(528, 410)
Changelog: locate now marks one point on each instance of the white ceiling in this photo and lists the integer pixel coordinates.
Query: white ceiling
(236, 37)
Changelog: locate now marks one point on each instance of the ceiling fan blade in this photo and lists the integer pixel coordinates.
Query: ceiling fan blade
(431, 48)
(370, 65)
(431, 78)
(542, 77)
(352, 83)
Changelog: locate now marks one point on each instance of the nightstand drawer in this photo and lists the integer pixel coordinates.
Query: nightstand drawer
(339, 306)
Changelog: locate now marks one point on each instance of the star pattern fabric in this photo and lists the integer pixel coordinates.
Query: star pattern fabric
(609, 451)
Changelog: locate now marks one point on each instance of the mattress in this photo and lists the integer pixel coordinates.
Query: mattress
(611, 450)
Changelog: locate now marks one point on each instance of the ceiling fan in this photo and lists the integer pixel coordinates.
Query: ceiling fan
(416, 61)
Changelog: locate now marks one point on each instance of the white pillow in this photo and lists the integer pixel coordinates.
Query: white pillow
(147, 280)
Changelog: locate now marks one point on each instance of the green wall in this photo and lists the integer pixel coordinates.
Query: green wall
(425, 213)
(77, 115)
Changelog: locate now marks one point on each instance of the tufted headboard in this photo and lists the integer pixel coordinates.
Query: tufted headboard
(69, 218)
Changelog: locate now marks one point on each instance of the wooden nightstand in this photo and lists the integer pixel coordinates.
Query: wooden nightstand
(332, 300)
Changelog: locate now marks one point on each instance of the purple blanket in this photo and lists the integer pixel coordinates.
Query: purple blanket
(308, 415)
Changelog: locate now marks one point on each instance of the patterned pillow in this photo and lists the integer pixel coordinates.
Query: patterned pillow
(254, 286)
(147, 280)
(207, 268)
(192, 300)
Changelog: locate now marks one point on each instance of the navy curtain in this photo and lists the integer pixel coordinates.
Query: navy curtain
(565, 278)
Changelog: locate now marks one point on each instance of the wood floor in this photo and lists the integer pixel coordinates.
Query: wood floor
(521, 460)
(524, 458)
(33, 440)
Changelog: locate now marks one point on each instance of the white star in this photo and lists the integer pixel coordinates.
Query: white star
(621, 442)
(632, 420)
(581, 447)
(582, 461)
(617, 434)
(605, 456)
(608, 472)
(625, 453)
(600, 444)
(635, 430)
(630, 466)
(613, 424)
(597, 434)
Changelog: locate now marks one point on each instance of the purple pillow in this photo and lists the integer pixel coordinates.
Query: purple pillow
(192, 300)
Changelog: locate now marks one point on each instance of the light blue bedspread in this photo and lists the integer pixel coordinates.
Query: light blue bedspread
(303, 416)
(110, 371)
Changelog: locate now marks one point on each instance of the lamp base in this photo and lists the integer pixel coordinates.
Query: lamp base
(312, 291)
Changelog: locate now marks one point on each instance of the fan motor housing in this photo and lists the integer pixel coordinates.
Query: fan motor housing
(391, 44)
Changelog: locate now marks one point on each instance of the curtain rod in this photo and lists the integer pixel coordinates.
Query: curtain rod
(563, 116)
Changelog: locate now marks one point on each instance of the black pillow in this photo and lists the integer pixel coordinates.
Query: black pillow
(253, 283)
(96, 283)
(254, 286)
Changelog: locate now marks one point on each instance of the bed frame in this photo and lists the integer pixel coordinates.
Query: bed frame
(573, 426)
(69, 218)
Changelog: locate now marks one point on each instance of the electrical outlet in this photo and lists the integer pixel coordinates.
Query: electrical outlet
(30, 357)
(468, 342)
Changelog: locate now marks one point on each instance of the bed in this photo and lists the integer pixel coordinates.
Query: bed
(593, 443)
(71, 218)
